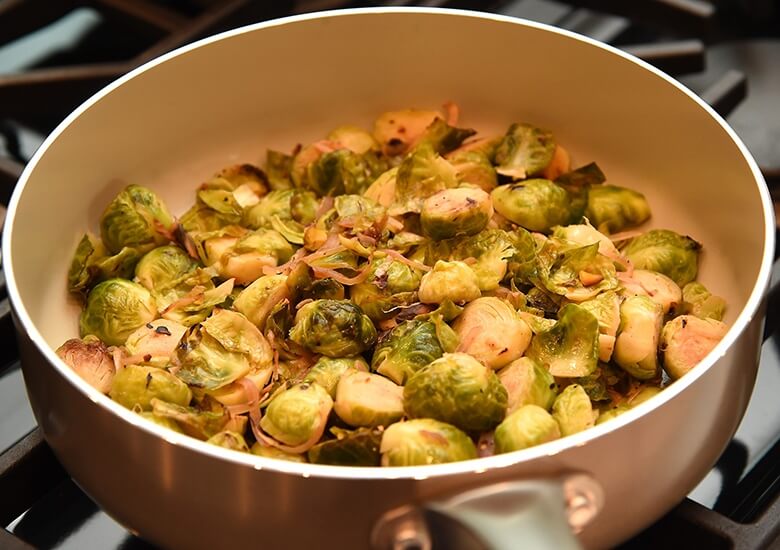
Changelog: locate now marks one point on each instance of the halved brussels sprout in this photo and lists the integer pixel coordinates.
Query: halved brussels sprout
(353, 138)
(191, 299)
(636, 347)
(261, 449)
(612, 208)
(453, 281)
(686, 340)
(163, 421)
(397, 131)
(606, 308)
(407, 348)
(578, 273)
(229, 440)
(666, 252)
(455, 212)
(91, 361)
(357, 213)
(657, 286)
(349, 448)
(524, 151)
(338, 172)
(369, 400)
(612, 412)
(115, 308)
(528, 426)
(155, 342)
(256, 300)
(570, 348)
(195, 422)
(235, 393)
(459, 390)
(573, 411)
(487, 254)
(277, 168)
(327, 371)
(535, 204)
(382, 191)
(244, 258)
(424, 441)
(527, 383)
(490, 330)
(136, 218)
(162, 266)
(422, 174)
(136, 386)
(698, 301)
(297, 416)
(336, 328)
(474, 168)
(644, 393)
(91, 264)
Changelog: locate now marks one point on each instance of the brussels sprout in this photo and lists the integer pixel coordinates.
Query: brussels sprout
(192, 298)
(245, 259)
(350, 448)
(611, 413)
(584, 176)
(487, 254)
(528, 426)
(297, 416)
(535, 204)
(578, 274)
(424, 441)
(260, 449)
(136, 386)
(201, 424)
(455, 212)
(666, 252)
(454, 281)
(353, 138)
(155, 342)
(406, 349)
(382, 191)
(686, 340)
(396, 131)
(370, 400)
(229, 440)
(277, 167)
(524, 151)
(422, 174)
(445, 138)
(459, 390)
(91, 264)
(490, 330)
(328, 371)
(338, 172)
(235, 393)
(162, 266)
(474, 168)
(523, 265)
(636, 347)
(645, 392)
(573, 411)
(605, 307)
(698, 301)
(274, 204)
(570, 348)
(657, 286)
(256, 300)
(527, 383)
(161, 421)
(91, 361)
(136, 218)
(358, 213)
(585, 234)
(224, 348)
(612, 209)
(336, 328)
(115, 308)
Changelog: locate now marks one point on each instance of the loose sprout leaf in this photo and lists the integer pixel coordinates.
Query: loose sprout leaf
(445, 138)
(584, 176)
(349, 448)
(570, 348)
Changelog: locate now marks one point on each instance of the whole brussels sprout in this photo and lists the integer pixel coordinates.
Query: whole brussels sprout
(422, 173)
(297, 416)
(698, 301)
(136, 386)
(636, 347)
(535, 204)
(666, 252)
(115, 308)
(490, 330)
(612, 208)
(527, 383)
(260, 449)
(459, 390)
(162, 266)
(453, 281)
(349, 448)
(528, 426)
(657, 286)
(229, 440)
(256, 300)
(424, 441)
(136, 218)
(91, 360)
(474, 168)
(573, 411)
(686, 340)
(155, 341)
(407, 348)
(455, 212)
(336, 328)
(327, 371)
(524, 151)
(570, 348)
(370, 400)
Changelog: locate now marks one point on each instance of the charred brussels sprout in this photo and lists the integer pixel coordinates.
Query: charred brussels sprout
(505, 340)
(297, 416)
(328, 371)
(612, 209)
(229, 440)
(573, 411)
(455, 212)
(162, 266)
(91, 360)
(115, 308)
(136, 385)
(336, 328)
(524, 151)
(570, 348)
(349, 448)
(136, 218)
(364, 399)
(666, 252)
(454, 281)
(636, 348)
(459, 390)
(407, 348)
(698, 301)
(686, 340)
(424, 441)
(528, 426)
(527, 383)
(535, 204)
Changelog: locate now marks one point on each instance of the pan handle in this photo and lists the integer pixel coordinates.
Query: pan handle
(537, 513)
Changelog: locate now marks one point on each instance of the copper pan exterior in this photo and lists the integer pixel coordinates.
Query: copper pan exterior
(175, 121)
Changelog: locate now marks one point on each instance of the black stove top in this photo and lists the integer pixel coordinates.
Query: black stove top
(53, 55)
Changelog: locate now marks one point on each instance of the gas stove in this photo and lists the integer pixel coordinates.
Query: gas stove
(53, 55)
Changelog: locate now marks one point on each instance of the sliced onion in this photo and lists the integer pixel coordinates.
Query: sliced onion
(323, 273)
(403, 259)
